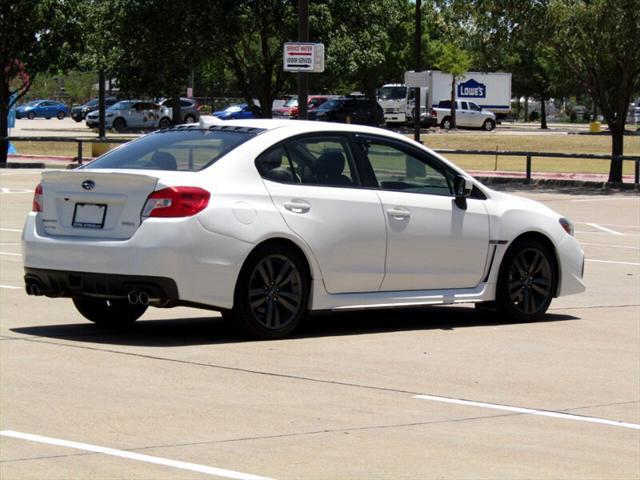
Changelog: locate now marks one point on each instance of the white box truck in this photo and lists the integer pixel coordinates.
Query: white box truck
(491, 91)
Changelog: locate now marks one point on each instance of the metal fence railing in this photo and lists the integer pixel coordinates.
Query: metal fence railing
(529, 156)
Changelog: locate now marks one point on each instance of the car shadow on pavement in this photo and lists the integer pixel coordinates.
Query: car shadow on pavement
(213, 330)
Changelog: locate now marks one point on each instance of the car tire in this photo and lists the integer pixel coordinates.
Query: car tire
(119, 125)
(31, 115)
(446, 123)
(189, 119)
(78, 120)
(488, 125)
(164, 123)
(109, 312)
(527, 281)
(272, 292)
(60, 115)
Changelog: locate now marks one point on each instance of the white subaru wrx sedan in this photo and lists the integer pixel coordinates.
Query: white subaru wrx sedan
(265, 220)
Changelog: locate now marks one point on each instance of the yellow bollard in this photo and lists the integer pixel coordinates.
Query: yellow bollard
(594, 127)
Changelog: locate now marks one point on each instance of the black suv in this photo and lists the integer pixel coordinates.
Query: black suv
(79, 112)
(350, 109)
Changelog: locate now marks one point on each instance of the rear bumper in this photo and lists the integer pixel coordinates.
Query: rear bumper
(58, 283)
(202, 264)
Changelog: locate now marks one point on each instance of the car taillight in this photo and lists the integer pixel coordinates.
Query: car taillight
(37, 199)
(176, 202)
(434, 114)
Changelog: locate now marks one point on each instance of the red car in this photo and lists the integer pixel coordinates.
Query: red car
(290, 108)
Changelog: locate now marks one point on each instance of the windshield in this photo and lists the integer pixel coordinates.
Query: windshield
(292, 102)
(124, 105)
(329, 105)
(92, 103)
(183, 150)
(33, 103)
(392, 93)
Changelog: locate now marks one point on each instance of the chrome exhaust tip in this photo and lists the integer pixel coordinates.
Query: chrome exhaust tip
(143, 298)
(133, 297)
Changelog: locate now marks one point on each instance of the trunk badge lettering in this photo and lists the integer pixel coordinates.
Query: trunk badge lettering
(88, 184)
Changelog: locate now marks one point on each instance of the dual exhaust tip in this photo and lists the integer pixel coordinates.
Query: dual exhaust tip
(141, 297)
(33, 288)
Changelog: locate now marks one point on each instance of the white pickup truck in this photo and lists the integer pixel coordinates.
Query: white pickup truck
(468, 114)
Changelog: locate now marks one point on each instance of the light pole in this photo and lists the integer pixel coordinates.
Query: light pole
(303, 77)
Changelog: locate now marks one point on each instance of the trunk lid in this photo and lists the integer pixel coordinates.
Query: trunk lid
(89, 203)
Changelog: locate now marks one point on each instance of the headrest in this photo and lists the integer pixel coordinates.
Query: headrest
(330, 163)
(273, 159)
(164, 161)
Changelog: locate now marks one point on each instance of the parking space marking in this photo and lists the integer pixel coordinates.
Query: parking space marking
(194, 467)
(603, 199)
(11, 254)
(530, 411)
(14, 190)
(604, 229)
(10, 287)
(606, 245)
(10, 230)
(613, 261)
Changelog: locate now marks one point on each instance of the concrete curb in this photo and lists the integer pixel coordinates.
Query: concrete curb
(23, 165)
(558, 182)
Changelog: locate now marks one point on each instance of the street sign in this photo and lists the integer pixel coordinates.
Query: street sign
(416, 79)
(303, 57)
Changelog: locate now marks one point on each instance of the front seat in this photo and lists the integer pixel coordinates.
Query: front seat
(328, 168)
(164, 161)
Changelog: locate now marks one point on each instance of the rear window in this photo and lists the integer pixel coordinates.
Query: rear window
(180, 150)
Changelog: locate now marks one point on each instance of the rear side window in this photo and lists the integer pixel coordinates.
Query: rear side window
(312, 160)
(180, 150)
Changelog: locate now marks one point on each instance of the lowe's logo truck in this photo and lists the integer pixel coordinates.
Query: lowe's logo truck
(472, 89)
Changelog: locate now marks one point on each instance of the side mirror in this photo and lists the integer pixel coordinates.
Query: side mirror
(462, 186)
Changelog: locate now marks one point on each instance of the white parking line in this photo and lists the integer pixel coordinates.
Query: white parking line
(10, 230)
(604, 229)
(531, 411)
(10, 287)
(605, 245)
(14, 190)
(194, 467)
(613, 225)
(11, 254)
(603, 199)
(614, 262)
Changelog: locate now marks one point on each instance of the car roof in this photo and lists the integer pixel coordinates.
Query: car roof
(304, 126)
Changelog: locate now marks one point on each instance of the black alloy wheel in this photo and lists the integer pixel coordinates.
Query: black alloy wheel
(31, 115)
(109, 312)
(60, 115)
(527, 281)
(272, 292)
(119, 124)
(164, 123)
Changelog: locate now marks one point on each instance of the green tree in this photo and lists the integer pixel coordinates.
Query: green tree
(37, 37)
(598, 40)
(455, 61)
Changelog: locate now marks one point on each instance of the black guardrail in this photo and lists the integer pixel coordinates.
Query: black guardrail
(529, 156)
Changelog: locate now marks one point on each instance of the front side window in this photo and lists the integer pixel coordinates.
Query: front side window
(189, 150)
(318, 160)
(398, 170)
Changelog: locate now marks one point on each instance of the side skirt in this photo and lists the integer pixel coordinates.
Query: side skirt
(375, 300)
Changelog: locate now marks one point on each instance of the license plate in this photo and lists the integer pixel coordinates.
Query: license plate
(89, 215)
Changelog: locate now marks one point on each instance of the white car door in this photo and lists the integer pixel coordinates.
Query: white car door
(314, 185)
(432, 243)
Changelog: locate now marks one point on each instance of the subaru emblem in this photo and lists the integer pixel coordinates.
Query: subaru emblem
(88, 184)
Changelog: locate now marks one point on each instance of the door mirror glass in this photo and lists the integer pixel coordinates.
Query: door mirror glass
(462, 186)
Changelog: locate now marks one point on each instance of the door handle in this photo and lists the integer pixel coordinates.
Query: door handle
(297, 206)
(398, 213)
